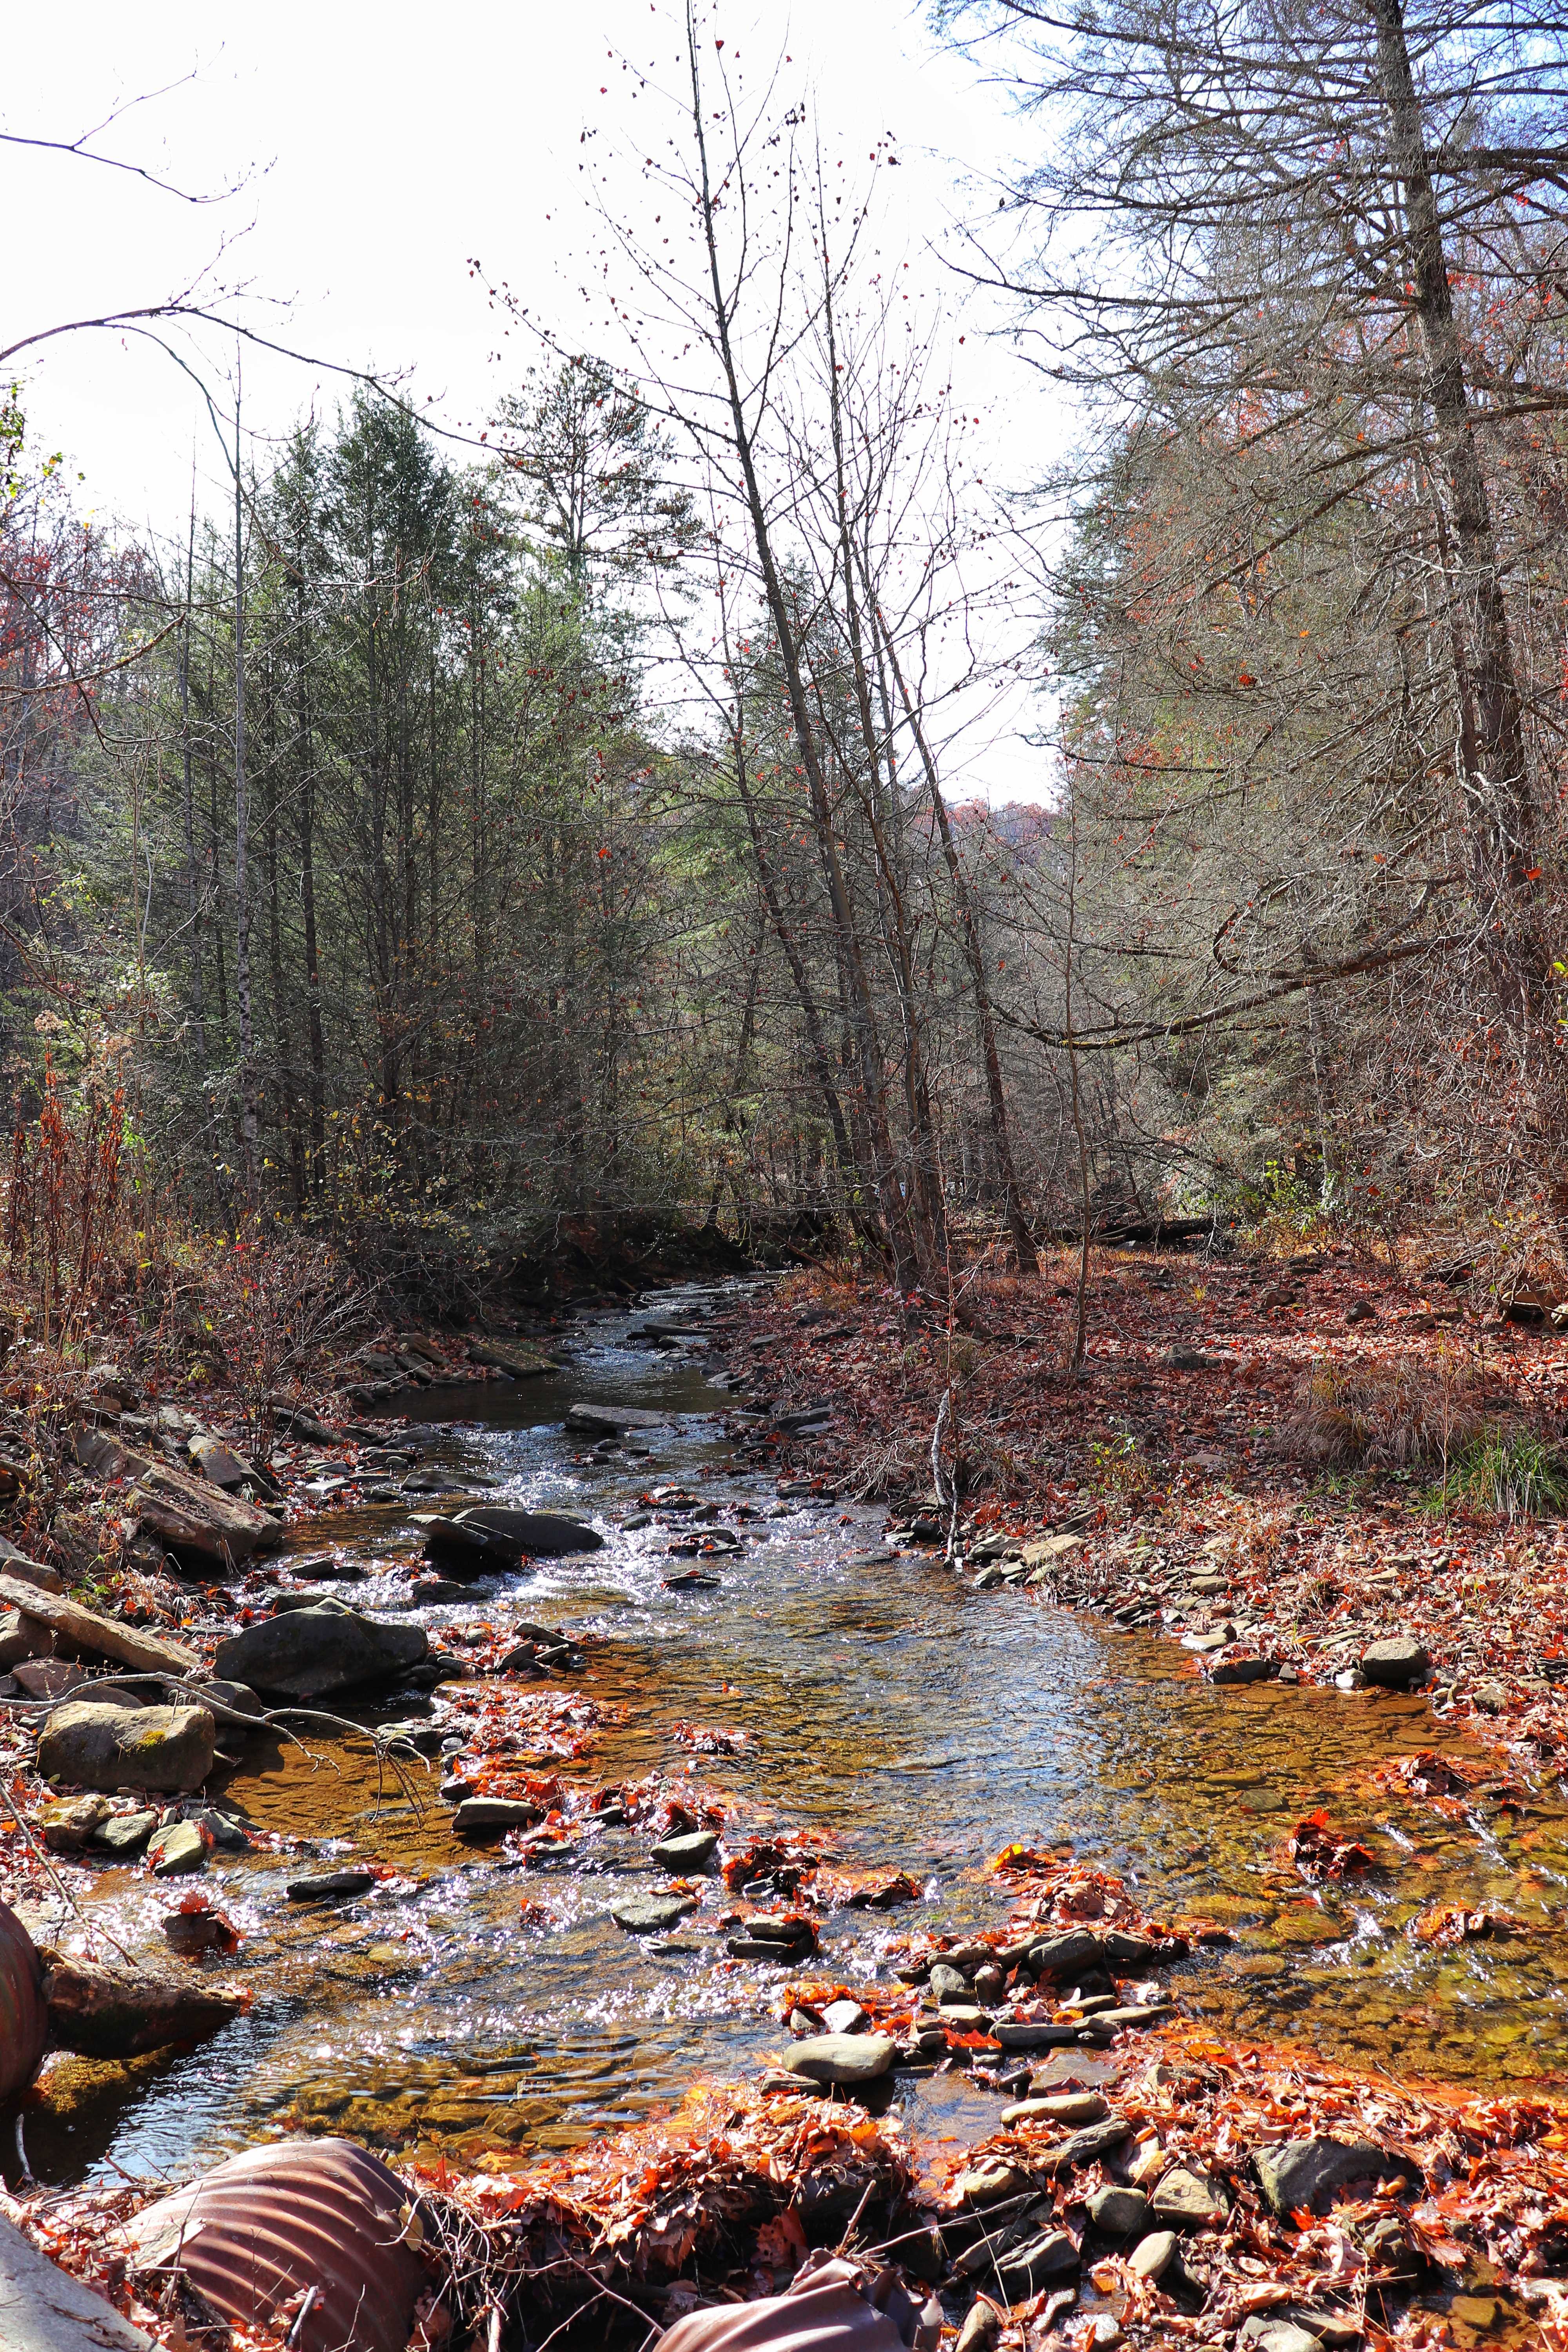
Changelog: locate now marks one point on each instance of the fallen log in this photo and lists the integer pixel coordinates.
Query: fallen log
(100, 1637)
(102, 2012)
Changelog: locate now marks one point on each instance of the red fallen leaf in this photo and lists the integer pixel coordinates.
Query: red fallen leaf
(1318, 1851)
(531, 1914)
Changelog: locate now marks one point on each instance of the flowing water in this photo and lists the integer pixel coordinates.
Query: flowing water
(889, 1706)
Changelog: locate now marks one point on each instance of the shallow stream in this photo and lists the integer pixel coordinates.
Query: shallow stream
(889, 1705)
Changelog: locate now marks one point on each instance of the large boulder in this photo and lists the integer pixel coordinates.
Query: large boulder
(44, 2309)
(91, 1746)
(309, 1652)
(24, 2026)
(1399, 1663)
(491, 1535)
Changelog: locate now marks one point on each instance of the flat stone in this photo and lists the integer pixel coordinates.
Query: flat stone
(1117, 2020)
(176, 1850)
(93, 1746)
(485, 1816)
(330, 1885)
(694, 1851)
(1152, 2257)
(612, 1420)
(224, 1830)
(125, 1833)
(22, 1638)
(1184, 2203)
(1120, 2213)
(1015, 2033)
(846, 2058)
(1025, 2271)
(651, 1915)
(1059, 2107)
(47, 1677)
(1397, 1664)
(1083, 2147)
(1067, 1954)
(1262, 2333)
(965, 2017)
(845, 2016)
(1307, 2173)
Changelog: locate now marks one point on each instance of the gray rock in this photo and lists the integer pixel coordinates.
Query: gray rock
(948, 1983)
(21, 1638)
(222, 1830)
(93, 1746)
(1152, 2257)
(1059, 2107)
(1397, 1664)
(612, 1420)
(988, 2184)
(1244, 1670)
(844, 2016)
(1083, 2147)
(1025, 2271)
(692, 1852)
(1306, 2173)
(177, 1850)
(1263, 2334)
(1013, 2034)
(488, 1816)
(125, 1833)
(312, 1652)
(330, 1885)
(846, 2058)
(44, 2309)
(1180, 1359)
(236, 1697)
(1120, 2213)
(651, 1915)
(1117, 2020)
(512, 1535)
(1182, 2201)
(1067, 1954)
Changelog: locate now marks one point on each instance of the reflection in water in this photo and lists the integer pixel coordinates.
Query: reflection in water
(913, 1720)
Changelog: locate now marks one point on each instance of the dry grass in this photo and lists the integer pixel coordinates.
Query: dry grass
(1380, 1413)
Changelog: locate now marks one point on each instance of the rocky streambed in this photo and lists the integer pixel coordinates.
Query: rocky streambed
(751, 1770)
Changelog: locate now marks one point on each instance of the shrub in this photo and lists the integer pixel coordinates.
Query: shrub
(1380, 1414)
(1514, 1473)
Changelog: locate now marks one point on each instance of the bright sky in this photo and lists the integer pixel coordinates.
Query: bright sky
(375, 158)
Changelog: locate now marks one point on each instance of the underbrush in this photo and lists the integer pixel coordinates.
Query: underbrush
(1379, 1414)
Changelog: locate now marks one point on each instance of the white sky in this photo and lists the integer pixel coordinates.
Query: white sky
(380, 149)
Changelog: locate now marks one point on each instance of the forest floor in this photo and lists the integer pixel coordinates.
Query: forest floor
(1193, 1477)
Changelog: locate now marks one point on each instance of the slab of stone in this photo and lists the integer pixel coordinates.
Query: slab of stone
(16, 1564)
(125, 1834)
(44, 2309)
(1397, 1664)
(1083, 2147)
(91, 1746)
(1182, 2201)
(21, 1638)
(331, 1886)
(694, 1851)
(652, 1914)
(612, 1420)
(1065, 1954)
(845, 2016)
(1014, 2034)
(1309, 2173)
(517, 1361)
(1025, 2271)
(100, 1637)
(491, 1816)
(1059, 2107)
(989, 2183)
(842, 2058)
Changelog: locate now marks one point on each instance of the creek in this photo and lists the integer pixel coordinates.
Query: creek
(889, 1707)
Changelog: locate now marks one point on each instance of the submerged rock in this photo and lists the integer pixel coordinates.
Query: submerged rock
(650, 1914)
